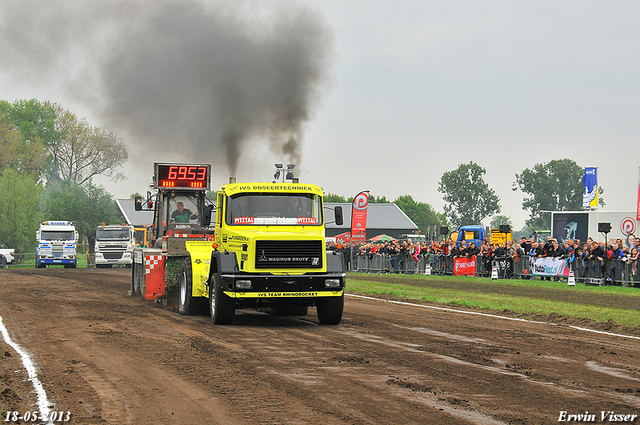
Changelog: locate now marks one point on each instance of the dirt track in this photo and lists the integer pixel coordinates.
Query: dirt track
(109, 358)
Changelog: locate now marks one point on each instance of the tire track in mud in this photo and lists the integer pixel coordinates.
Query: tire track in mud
(385, 364)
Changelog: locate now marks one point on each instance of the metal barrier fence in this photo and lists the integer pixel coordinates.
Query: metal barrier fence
(590, 272)
(23, 260)
(593, 272)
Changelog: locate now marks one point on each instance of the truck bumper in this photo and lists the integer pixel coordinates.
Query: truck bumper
(125, 261)
(278, 287)
(57, 261)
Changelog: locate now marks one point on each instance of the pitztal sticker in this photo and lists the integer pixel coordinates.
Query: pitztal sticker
(243, 220)
(307, 220)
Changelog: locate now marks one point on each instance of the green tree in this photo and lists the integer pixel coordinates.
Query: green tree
(86, 151)
(378, 199)
(498, 220)
(18, 210)
(333, 198)
(468, 198)
(26, 154)
(423, 215)
(33, 119)
(88, 205)
(554, 186)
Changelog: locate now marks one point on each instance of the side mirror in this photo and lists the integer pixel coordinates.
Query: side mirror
(338, 215)
(138, 203)
(206, 219)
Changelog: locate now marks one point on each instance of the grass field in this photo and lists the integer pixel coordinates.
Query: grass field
(611, 304)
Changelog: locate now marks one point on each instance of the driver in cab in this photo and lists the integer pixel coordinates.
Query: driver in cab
(293, 208)
(182, 214)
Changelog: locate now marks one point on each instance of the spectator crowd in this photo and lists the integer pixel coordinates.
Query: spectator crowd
(614, 262)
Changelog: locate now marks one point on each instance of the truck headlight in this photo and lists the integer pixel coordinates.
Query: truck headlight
(243, 284)
(332, 283)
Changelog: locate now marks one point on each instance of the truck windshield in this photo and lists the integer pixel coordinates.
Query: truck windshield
(56, 235)
(113, 234)
(274, 209)
(141, 236)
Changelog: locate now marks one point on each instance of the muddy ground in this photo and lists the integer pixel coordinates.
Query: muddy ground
(106, 357)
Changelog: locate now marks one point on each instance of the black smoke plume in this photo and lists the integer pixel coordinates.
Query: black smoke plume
(206, 79)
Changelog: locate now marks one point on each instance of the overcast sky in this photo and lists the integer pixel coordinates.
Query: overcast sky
(395, 93)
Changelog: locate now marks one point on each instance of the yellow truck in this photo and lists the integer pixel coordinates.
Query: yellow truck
(268, 252)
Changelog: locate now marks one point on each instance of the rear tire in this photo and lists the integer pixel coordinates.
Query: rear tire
(221, 307)
(135, 279)
(187, 304)
(330, 310)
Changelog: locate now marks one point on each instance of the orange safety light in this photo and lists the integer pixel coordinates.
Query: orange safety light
(215, 245)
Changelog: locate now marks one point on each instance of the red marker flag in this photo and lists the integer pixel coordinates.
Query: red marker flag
(359, 217)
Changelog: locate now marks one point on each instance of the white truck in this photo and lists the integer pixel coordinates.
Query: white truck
(57, 244)
(114, 245)
(6, 257)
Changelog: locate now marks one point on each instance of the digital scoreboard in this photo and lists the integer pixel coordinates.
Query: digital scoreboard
(182, 176)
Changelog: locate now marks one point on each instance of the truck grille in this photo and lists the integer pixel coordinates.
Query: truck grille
(112, 255)
(288, 254)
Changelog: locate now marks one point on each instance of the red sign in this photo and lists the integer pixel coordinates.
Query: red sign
(464, 266)
(243, 220)
(307, 220)
(359, 217)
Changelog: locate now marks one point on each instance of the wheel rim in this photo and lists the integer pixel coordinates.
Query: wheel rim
(183, 289)
(212, 298)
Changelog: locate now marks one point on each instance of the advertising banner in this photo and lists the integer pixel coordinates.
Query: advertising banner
(343, 237)
(359, 217)
(590, 185)
(549, 266)
(464, 266)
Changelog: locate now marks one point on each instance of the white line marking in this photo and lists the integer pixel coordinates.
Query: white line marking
(453, 310)
(43, 403)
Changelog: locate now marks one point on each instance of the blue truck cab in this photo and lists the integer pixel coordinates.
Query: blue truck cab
(470, 233)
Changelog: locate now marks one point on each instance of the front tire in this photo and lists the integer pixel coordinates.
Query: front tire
(330, 310)
(221, 307)
(187, 304)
